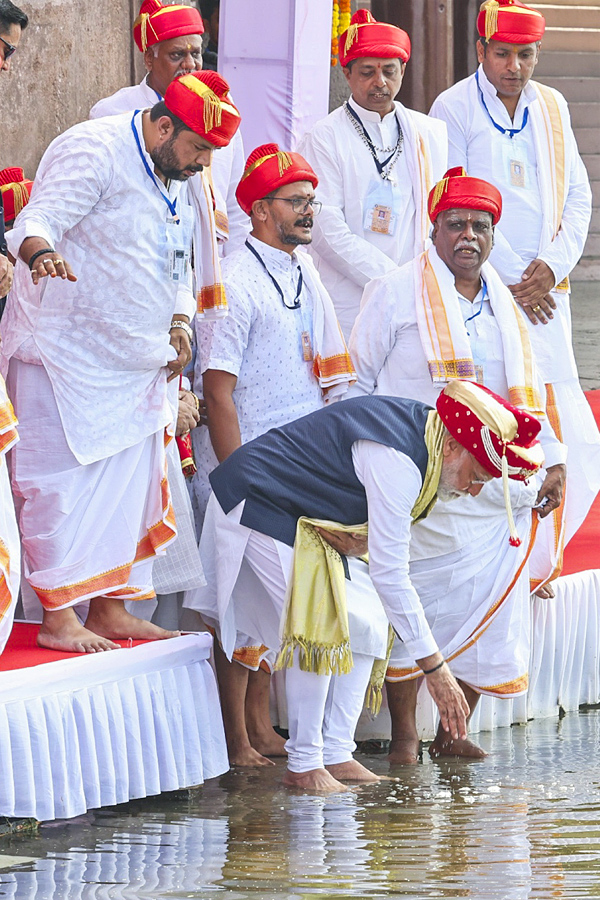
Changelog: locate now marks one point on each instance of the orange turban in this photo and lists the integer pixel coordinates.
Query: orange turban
(367, 37)
(200, 99)
(268, 168)
(15, 190)
(157, 23)
(457, 190)
(510, 22)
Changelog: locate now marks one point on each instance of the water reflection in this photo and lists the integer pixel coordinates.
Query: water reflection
(525, 823)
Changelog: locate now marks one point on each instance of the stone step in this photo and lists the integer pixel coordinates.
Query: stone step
(592, 246)
(563, 63)
(571, 16)
(595, 186)
(588, 139)
(586, 115)
(592, 164)
(595, 223)
(580, 40)
(576, 90)
(587, 269)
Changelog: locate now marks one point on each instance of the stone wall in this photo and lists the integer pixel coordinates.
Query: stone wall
(72, 53)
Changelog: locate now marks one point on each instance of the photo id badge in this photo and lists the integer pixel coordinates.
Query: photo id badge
(307, 350)
(382, 219)
(517, 173)
(178, 264)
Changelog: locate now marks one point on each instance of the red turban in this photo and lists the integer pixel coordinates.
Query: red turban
(268, 168)
(15, 190)
(201, 100)
(510, 22)
(457, 190)
(157, 23)
(367, 37)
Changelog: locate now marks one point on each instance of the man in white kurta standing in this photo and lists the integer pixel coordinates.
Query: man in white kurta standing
(443, 315)
(97, 319)
(517, 133)
(376, 162)
(277, 356)
(170, 37)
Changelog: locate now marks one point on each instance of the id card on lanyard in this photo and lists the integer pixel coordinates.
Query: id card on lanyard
(381, 206)
(178, 243)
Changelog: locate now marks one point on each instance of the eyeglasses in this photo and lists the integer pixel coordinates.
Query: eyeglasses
(300, 205)
(10, 49)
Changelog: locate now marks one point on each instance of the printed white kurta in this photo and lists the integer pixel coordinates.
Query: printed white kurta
(461, 561)
(225, 171)
(347, 254)
(528, 230)
(104, 339)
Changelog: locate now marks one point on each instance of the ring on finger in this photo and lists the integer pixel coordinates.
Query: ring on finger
(535, 308)
(45, 261)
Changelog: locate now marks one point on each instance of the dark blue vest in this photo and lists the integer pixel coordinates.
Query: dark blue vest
(305, 468)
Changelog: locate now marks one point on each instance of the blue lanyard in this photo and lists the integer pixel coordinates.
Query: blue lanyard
(171, 204)
(158, 96)
(478, 313)
(509, 131)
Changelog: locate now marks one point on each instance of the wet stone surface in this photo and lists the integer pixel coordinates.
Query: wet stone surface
(524, 823)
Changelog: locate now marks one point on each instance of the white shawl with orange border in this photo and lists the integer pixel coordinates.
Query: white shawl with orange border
(444, 336)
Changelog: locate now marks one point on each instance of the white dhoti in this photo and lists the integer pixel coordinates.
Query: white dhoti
(87, 530)
(247, 575)
(474, 587)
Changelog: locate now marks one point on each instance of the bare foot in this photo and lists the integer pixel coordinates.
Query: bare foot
(247, 756)
(352, 770)
(447, 746)
(109, 618)
(62, 630)
(317, 780)
(404, 752)
(268, 744)
(546, 592)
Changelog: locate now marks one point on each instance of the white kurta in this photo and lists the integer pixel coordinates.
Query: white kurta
(226, 168)
(526, 232)
(523, 233)
(347, 254)
(461, 562)
(104, 339)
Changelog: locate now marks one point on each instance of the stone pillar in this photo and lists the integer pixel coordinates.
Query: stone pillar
(276, 57)
(429, 24)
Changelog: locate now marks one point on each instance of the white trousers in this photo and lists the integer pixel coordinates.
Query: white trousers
(323, 710)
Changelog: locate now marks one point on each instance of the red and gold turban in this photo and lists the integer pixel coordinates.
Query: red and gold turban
(457, 190)
(510, 22)
(367, 37)
(157, 23)
(15, 190)
(268, 168)
(201, 100)
(501, 437)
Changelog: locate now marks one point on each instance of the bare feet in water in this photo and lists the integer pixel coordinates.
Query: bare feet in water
(444, 745)
(352, 771)
(247, 756)
(62, 630)
(268, 743)
(319, 781)
(109, 619)
(404, 752)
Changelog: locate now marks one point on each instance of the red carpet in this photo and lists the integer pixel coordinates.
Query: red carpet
(21, 650)
(583, 551)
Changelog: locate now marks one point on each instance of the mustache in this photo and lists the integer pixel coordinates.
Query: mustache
(466, 245)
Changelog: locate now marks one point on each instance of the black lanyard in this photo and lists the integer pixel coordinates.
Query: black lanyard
(380, 165)
(297, 301)
(509, 131)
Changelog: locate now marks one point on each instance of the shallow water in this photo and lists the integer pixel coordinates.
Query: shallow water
(524, 823)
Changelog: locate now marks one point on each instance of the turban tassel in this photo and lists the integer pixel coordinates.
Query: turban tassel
(351, 37)
(144, 31)
(20, 197)
(284, 161)
(212, 111)
(514, 539)
(438, 192)
(491, 8)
